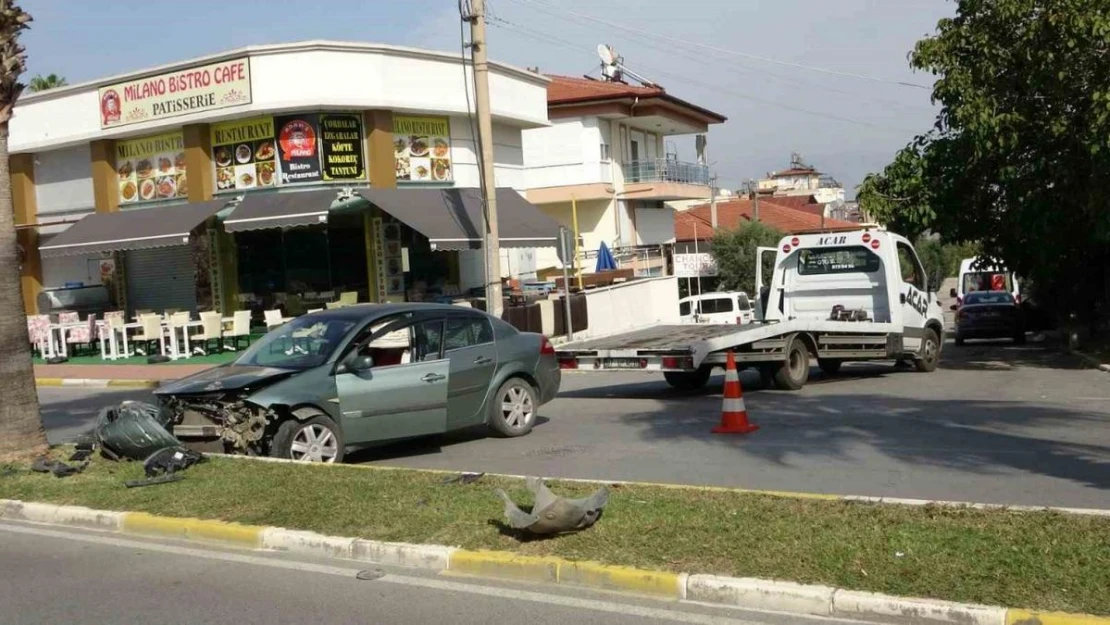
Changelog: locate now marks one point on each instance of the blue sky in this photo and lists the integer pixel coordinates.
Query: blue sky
(845, 126)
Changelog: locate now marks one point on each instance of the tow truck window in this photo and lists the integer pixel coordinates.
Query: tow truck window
(812, 262)
(912, 273)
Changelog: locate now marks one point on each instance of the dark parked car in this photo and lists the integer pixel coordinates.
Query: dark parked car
(989, 315)
(349, 377)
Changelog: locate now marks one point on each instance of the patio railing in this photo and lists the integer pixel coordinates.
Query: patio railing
(666, 170)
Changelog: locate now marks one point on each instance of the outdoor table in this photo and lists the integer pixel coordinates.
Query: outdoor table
(61, 329)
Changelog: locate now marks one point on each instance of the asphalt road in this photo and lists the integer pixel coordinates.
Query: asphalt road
(996, 423)
(51, 576)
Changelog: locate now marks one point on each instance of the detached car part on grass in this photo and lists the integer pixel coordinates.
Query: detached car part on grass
(133, 430)
(552, 514)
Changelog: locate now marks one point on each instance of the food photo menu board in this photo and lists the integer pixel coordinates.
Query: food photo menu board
(264, 152)
(244, 154)
(151, 168)
(422, 149)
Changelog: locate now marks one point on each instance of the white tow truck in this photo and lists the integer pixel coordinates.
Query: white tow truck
(834, 296)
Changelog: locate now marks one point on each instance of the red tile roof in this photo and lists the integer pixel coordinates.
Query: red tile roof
(566, 90)
(796, 171)
(805, 203)
(732, 213)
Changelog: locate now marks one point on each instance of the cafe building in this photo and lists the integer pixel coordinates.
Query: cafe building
(271, 176)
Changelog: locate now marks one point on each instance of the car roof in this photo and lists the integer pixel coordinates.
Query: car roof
(362, 311)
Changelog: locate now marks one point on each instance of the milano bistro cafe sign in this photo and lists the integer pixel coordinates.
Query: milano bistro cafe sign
(204, 88)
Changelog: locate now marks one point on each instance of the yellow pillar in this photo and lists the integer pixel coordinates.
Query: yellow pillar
(198, 162)
(378, 126)
(577, 257)
(104, 178)
(25, 207)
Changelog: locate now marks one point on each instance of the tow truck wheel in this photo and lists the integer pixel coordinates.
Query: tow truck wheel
(830, 366)
(793, 373)
(929, 357)
(688, 380)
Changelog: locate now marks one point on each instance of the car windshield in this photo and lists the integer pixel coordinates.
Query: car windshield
(993, 297)
(305, 342)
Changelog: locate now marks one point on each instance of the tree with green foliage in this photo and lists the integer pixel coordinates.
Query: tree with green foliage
(1019, 157)
(42, 83)
(735, 254)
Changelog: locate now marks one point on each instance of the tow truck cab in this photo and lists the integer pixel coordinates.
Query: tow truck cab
(868, 274)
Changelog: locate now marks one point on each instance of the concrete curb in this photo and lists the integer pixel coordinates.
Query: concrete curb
(899, 501)
(90, 383)
(746, 593)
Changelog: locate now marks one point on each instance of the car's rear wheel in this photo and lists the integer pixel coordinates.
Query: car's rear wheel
(1019, 338)
(513, 409)
(959, 341)
(310, 436)
(688, 380)
(794, 371)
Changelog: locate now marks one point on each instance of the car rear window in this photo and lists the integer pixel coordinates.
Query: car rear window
(684, 309)
(716, 305)
(994, 297)
(987, 281)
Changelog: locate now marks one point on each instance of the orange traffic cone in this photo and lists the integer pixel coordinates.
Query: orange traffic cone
(734, 416)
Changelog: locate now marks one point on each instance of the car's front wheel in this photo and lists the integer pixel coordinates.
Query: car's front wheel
(513, 408)
(310, 436)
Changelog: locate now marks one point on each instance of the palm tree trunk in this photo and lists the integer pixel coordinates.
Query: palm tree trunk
(21, 428)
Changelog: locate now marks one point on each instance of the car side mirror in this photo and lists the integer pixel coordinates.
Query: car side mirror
(355, 364)
(952, 292)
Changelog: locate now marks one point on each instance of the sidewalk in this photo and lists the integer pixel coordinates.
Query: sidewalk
(138, 376)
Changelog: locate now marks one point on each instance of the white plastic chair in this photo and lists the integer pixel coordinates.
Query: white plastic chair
(150, 332)
(273, 318)
(212, 329)
(240, 328)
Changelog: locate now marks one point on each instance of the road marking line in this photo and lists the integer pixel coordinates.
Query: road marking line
(435, 584)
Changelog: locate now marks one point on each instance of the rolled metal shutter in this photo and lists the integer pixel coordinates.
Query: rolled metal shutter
(161, 278)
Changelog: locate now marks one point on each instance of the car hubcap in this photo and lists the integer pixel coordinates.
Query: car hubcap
(516, 407)
(930, 350)
(315, 443)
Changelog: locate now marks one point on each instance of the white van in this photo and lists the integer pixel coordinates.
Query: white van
(987, 277)
(718, 307)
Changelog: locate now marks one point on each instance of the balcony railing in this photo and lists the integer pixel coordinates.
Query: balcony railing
(665, 170)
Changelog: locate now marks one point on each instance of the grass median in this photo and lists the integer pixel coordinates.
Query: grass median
(1038, 560)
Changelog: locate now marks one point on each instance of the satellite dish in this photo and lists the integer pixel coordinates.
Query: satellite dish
(606, 54)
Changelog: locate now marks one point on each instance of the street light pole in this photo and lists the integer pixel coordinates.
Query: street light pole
(485, 145)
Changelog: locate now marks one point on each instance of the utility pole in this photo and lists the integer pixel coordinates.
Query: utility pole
(713, 201)
(485, 142)
(754, 190)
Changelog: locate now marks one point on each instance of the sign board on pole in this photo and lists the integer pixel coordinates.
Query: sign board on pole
(695, 265)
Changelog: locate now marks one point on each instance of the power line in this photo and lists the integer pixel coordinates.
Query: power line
(527, 32)
(754, 57)
(737, 63)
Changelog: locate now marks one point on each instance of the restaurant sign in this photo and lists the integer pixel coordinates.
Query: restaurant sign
(151, 168)
(695, 265)
(244, 154)
(193, 90)
(422, 149)
(302, 148)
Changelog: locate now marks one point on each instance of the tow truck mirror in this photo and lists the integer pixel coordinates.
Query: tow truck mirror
(952, 292)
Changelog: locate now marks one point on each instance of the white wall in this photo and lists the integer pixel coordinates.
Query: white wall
(654, 225)
(508, 155)
(57, 271)
(566, 153)
(63, 181)
(301, 76)
(631, 305)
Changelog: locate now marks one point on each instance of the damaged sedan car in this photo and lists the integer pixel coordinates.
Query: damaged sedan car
(335, 380)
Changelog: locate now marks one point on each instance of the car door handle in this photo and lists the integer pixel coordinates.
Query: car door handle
(433, 377)
(903, 298)
(483, 360)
